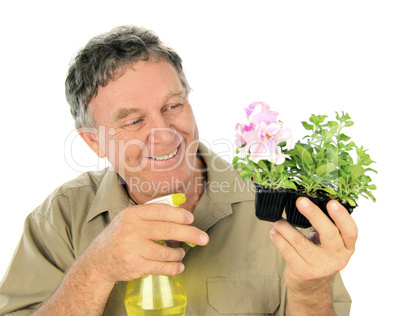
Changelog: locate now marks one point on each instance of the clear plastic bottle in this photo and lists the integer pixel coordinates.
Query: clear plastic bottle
(157, 295)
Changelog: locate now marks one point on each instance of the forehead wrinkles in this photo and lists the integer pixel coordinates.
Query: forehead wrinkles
(128, 93)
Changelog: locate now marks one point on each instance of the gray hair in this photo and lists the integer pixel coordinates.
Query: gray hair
(104, 58)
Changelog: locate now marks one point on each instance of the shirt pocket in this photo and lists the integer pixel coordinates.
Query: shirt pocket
(244, 295)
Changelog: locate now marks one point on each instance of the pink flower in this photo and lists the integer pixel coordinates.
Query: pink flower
(260, 112)
(239, 141)
(261, 137)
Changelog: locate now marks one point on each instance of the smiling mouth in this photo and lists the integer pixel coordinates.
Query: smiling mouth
(165, 157)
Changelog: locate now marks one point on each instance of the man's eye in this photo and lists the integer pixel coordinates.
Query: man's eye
(175, 106)
(133, 122)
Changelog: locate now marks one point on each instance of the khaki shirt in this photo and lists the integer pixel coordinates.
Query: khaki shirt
(238, 273)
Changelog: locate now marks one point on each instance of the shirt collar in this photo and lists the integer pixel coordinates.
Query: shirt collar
(111, 196)
(224, 185)
(223, 189)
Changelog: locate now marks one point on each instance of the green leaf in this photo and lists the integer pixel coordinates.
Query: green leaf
(344, 137)
(371, 169)
(329, 135)
(281, 144)
(350, 146)
(324, 170)
(321, 118)
(307, 160)
(342, 163)
(263, 165)
(345, 116)
(371, 196)
(246, 174)
(278, 169)
(341, 181)
(307, 126)
(314, 119)
(356, 171)
(317, 120)
(333, 124)
(351, 202)
(289, 185)
(329, 190)
(240, 165)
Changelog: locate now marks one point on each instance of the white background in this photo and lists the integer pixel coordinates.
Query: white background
(301, 57)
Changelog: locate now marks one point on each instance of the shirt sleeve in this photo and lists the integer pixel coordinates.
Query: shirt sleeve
(38, 265)
(341, 299)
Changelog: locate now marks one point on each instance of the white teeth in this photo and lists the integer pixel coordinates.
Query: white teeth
(165, 156)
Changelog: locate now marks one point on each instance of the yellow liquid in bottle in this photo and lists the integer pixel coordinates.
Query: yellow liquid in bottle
(134, 308)
(157, 295)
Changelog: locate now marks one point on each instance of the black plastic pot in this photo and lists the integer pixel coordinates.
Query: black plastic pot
(269, 203)
(295, 218)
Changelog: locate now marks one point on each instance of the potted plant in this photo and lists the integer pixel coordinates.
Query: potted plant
(260, 157)
(324, 165)
(312, 169)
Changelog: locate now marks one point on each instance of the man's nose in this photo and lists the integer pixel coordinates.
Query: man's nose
(162, 135)
(161, 131)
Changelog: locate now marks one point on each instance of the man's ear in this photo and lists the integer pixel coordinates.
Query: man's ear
(92, 140)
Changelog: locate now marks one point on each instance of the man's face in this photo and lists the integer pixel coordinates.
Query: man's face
(146, 129)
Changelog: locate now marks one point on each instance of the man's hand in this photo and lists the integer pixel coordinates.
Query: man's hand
(313, 262)
(126, 250)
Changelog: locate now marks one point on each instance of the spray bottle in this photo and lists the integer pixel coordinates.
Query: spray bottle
(156, 295)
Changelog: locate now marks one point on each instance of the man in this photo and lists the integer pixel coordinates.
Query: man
(128, 96)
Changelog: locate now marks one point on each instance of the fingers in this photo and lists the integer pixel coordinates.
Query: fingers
(344, 232)
(156, 252)
(165, 222)
(325, 252)
(329, 233)
(345, 223)
(335, 237)
(163, 260)
(292, 244)
(163, 268)
(285, 245)
(163, 212)
(131, 239)
(173, 231)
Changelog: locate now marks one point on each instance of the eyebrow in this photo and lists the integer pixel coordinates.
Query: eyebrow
(175, 93)
(124, 112)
